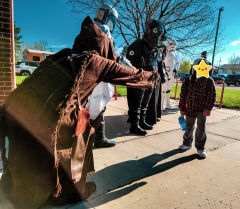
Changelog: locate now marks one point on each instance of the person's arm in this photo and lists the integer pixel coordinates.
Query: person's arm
(112, 72)
(182, 102)
(211, 99)
(161, 71)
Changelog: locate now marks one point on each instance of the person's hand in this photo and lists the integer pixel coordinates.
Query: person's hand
(182, 113)
(206, 112)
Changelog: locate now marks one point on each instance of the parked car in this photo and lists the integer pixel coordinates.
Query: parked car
(233, 79)
(216, 78)
(224, 76)
(25, 68)
(185, 75)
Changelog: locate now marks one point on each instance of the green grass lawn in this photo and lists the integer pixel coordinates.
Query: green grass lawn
(231, 98)
(121, 90)
(19, 79)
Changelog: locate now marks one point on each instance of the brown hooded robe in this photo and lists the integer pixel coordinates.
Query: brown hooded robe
(39, 118)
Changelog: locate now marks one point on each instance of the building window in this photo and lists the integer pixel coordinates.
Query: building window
(36, 58)
(25, 58)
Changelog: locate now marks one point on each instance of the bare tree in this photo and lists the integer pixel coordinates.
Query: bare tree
(191, 22)
(234, 60)
(40, 45)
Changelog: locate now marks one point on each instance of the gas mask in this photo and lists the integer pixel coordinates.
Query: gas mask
(153, 31)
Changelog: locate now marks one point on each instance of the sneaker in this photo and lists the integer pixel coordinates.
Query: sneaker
(202, 153)
(184, 147)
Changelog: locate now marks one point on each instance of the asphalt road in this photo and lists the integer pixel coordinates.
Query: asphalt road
(217, 85)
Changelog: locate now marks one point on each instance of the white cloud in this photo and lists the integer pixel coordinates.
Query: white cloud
(59, 46)
(235, 42)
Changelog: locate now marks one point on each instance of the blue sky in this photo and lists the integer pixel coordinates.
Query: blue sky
(51, 20)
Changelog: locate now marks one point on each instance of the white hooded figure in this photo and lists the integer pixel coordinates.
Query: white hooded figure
(172, 66)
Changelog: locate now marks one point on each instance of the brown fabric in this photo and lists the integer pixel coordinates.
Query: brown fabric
(42, 115)
(83, 121)
(80, 143)
(92, 38)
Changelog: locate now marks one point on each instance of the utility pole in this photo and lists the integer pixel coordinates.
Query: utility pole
(220, 10)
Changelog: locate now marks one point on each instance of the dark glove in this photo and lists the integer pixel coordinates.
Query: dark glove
(163, 75)
(161, 71)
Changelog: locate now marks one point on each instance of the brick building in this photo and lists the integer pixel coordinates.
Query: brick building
(7, 59)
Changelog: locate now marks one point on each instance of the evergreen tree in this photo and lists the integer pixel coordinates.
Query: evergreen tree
(17, 43)
(124, 51)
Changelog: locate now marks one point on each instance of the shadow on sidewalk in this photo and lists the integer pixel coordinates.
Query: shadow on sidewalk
(117, 126)
(169, 112)
(121, 174)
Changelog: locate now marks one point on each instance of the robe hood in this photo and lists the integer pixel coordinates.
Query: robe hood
(92, 38)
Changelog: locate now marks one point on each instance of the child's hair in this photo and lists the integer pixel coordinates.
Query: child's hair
(193, 72)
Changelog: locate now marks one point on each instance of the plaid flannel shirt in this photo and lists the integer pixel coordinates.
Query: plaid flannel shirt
(197, 98)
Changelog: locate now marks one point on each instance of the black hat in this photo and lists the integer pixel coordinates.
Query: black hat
(204, 53)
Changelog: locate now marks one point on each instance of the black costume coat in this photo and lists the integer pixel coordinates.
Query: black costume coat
(150, 100)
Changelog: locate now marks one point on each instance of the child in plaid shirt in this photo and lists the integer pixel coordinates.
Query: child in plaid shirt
(196, 102)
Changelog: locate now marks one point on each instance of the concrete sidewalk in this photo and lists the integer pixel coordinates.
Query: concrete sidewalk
(150, 171)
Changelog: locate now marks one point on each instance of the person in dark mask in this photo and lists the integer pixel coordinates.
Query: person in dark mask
(144, 53)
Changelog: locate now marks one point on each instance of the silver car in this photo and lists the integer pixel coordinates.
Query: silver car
(25, 68)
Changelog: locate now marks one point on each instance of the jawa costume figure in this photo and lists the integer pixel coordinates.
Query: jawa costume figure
(49, 132)
(143, 53)
(172, 66)
(105, 19)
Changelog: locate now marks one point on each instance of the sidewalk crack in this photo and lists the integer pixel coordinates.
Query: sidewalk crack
(224, 136)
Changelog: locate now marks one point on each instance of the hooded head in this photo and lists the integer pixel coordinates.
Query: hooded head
(92, 38)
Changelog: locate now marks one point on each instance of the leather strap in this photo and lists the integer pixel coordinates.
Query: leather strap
(73, 67)
(80, 144)
(79, 101)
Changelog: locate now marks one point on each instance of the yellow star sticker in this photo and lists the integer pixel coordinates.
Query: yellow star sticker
(202, 69)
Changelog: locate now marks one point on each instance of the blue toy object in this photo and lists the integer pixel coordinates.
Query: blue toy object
(182, 123)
